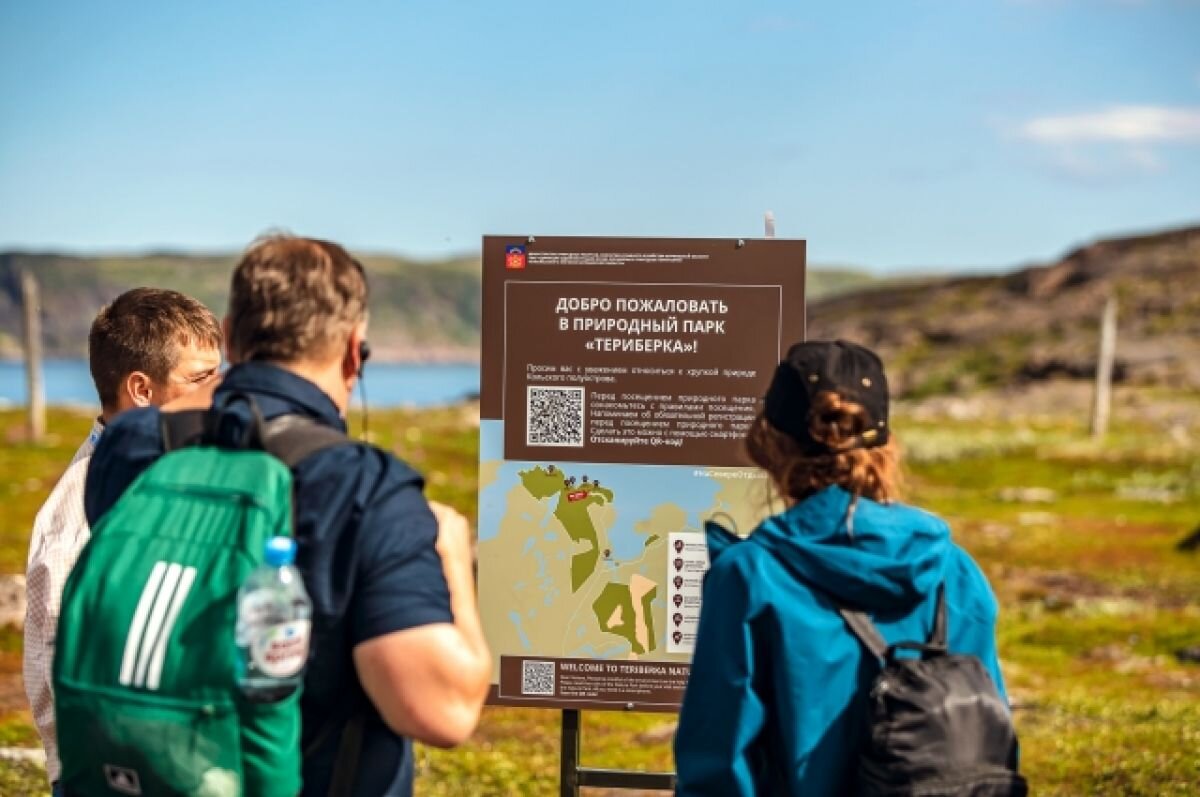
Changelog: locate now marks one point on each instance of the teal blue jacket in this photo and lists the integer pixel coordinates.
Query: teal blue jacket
(776, 698)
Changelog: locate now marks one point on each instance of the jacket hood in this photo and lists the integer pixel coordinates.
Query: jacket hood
(883, 558)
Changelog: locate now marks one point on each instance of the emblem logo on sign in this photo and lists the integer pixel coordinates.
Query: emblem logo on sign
(514, 257)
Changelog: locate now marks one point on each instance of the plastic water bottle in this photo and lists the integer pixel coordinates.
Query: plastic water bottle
(273, 626)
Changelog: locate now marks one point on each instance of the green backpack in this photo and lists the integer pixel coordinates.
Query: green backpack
(146, 700)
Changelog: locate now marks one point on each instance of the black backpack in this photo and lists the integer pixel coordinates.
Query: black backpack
(936, 726)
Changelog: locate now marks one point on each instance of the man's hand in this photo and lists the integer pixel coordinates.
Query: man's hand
(455, 542)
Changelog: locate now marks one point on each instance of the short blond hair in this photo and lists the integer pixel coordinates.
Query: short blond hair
(294, 299)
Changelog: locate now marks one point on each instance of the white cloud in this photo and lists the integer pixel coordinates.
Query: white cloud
(1130, 124)
(1099, 164)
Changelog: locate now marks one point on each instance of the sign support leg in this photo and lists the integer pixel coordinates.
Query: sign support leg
(572, 775)
(568, 777)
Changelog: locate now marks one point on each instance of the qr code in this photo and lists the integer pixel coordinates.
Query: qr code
(537, 678)
(554, 416)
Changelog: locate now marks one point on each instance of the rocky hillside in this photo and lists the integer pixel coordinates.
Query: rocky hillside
(958, 334)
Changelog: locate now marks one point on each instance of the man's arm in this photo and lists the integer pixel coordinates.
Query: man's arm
(59, 533)
(430, 682)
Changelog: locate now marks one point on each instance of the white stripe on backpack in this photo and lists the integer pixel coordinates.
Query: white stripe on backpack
(153, 620)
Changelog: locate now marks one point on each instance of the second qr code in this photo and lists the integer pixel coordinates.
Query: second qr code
(554, 416)
(537, 678)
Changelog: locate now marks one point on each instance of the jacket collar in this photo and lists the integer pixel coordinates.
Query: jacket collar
(281, 392)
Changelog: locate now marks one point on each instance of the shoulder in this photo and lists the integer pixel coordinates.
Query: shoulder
(740, 567)
(374, 472)
(901, 516)
(967, 586)
(136, 421)
(370, 489)
(132, 427)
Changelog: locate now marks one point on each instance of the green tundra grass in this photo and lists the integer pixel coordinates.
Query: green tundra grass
(1095, 598)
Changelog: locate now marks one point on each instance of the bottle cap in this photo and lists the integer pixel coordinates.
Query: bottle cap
(280, 551)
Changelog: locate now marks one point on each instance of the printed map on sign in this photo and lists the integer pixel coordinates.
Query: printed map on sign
(575, 558)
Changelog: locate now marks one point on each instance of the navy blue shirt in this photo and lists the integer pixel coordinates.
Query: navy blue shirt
(366, 541)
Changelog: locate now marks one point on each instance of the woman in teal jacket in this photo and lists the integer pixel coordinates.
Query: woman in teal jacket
(776, 698)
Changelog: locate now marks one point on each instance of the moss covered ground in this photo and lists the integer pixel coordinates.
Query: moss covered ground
(1078, 538)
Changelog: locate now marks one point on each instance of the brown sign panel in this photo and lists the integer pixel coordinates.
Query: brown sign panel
(651, 351)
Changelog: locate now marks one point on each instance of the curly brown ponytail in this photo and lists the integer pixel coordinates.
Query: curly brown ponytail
(835, 423)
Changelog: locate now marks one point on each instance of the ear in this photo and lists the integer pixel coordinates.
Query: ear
(140, 389)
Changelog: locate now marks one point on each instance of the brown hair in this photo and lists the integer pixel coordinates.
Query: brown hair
(294, 299)
(833, 422)
(143, 330)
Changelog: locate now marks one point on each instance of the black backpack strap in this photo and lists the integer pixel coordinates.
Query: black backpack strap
(869, 635)
(345, 766)
(290, 438)
(294, 438)
(938, 637)
(865, 630)
(181, 429)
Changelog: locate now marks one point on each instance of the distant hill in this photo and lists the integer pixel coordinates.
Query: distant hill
(420, 310)
(956, 334)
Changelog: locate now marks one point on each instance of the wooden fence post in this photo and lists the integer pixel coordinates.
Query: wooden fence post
(31, 309)
(1102, 399)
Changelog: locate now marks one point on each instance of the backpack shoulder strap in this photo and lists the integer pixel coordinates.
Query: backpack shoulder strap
(869, 635)
(182, 429)
(290, 438)
(865, 630)
(939, 635)
(345, 766)
(294, 438)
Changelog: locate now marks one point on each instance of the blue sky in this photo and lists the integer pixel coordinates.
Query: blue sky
(892, 135)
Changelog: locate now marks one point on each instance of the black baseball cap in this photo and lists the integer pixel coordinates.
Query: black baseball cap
(851, 371)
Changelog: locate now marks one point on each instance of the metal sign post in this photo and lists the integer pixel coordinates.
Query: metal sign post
(572, 776)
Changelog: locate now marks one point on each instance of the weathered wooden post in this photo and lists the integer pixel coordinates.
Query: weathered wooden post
(31, 308)
(1102, 400)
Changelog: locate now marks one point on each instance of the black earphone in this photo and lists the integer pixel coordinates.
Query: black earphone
(364, 354)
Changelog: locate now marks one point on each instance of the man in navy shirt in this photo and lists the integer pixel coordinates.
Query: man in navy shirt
(396, 631)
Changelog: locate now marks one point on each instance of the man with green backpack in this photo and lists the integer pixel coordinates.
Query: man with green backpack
(182, 505)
